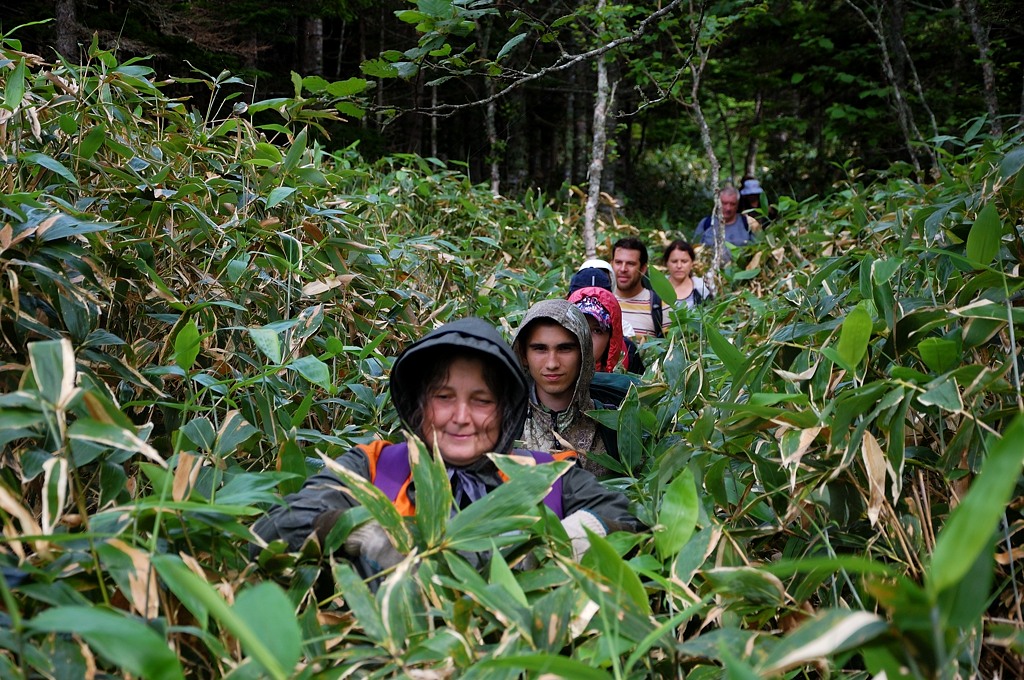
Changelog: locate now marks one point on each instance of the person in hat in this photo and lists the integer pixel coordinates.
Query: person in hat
(459, 387)
(750, 201)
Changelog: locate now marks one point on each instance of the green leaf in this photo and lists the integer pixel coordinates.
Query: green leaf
(279, 194)
(360, 601)
(92, 141)
(114, 436)
(265, 151)
(313, 370)
(126, 643)
(971, 525)
(296, 152)
(942, 392)
(731, 358)
(630, 430)
(834, 631)
(511, 45)
(433, 492)
(544, 665)
(662, 286)
(200, 434)
(625, 585)
(1011, 163)
(677, 517)
(233, 433)
(501, 575)
(270, 616)
(201, 593)
(376, 503)
(51, 164)
(267, 341)
(53, 368)
(939, 354)
(510, 507)
(346, 88)
(985, 237)
(854, 336)
(15, 89)
(186, 346)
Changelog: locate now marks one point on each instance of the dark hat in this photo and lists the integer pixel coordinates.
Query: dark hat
(590, 276)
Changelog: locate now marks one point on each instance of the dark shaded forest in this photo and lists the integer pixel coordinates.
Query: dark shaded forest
(799, 94)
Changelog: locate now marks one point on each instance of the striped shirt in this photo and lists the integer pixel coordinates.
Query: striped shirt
(637, 312)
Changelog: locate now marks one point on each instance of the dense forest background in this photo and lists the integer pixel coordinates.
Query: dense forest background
(801, 94)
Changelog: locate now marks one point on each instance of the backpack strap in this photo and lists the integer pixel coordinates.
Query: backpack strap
(657, 315)
(554, 498)
(391, 472)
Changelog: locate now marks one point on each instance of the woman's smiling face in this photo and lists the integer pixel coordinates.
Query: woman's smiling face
(462, 413)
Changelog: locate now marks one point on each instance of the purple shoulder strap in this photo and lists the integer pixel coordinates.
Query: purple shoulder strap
(554, 498)
(393, 469)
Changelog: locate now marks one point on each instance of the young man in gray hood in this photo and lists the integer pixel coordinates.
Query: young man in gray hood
(555, 348)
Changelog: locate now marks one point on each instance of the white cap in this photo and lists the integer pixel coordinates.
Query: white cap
(750, 187)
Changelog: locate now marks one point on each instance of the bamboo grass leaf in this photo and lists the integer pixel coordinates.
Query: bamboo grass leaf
(970, 526)
(378, 505)
(114, 436)
(123, 641)
(985, 236)
(626, 587)
(662, 286)
(53, 367)
(267, 341)
(14, 91)
(313, 370)
(433, 492)
(274, 608)
(854, 336)
(677, 517)
(827, 634)
(51, 164)
(731, 358)
(186, 345)
(546, 665)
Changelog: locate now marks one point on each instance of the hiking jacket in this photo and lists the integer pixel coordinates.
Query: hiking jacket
(548, 430)
(738, 232)
(616, 353)
(293, 521)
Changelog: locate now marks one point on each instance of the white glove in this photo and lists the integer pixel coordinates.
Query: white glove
(575, 526)
(371, 544)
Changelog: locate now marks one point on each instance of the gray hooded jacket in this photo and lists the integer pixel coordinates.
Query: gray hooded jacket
(549, 430)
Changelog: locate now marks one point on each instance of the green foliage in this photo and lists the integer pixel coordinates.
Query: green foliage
(198, 309)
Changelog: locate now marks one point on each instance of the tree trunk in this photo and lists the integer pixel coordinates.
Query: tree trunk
(988, 73)
(911, 134)
(750, 163)
(66, 26)
(312, 46)
(597, 149)
(697, 65)
(490, 119)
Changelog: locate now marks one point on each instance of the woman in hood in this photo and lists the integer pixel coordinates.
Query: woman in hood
(461, 387)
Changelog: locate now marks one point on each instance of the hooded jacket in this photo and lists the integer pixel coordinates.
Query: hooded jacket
(323, 494)
(478, 336)
(616, 353)
(549, 430)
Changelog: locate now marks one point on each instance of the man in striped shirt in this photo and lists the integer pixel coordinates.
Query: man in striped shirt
(641, 307)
